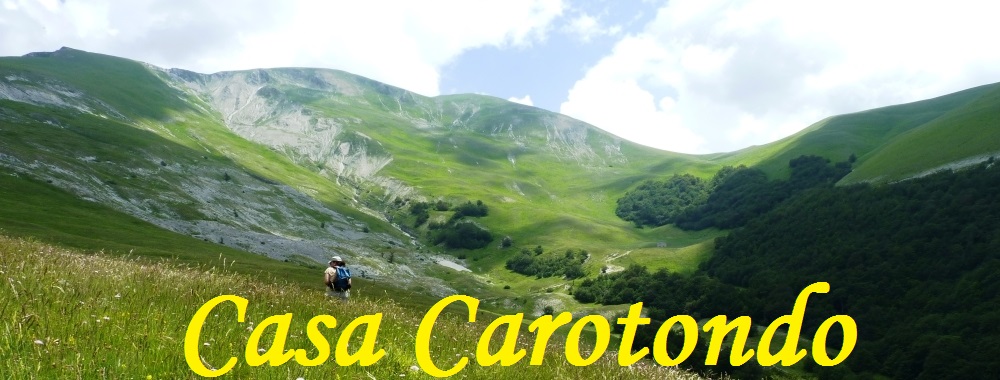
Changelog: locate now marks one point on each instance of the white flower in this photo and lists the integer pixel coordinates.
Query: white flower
(414, 368)
(39, 342)
(207, 344)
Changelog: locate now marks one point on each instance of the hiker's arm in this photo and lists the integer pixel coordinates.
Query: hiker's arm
(327, 280)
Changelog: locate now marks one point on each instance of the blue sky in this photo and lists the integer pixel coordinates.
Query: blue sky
(693, 76)
(547, 69)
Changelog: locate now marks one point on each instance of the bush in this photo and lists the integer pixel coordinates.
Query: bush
(477, 210)
(506, 242)
(462, 235)
(442, 206)
(419, 210)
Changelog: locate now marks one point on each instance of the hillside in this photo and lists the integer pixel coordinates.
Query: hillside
(296, 163)
(895, 142)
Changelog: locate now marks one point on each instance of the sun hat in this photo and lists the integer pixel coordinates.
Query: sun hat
(336, 259)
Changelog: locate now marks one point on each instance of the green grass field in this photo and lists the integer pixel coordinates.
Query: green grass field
(68, 314)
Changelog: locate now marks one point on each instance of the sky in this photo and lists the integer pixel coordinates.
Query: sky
(691, 76)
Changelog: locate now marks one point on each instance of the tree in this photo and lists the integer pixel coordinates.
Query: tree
(441, 205)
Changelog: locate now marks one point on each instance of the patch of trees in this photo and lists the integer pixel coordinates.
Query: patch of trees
(456, 232)
(530, 263)
(421, 210)
(728, 200)
(656, 203)
(665, 294)
(477, 210)
(915, 264)
(744, 193)
(462, 234)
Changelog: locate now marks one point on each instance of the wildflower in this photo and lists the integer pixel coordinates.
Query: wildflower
(207, 344)
(414, 368)
(39, 342)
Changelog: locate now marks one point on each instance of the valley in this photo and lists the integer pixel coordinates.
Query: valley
(278, 169)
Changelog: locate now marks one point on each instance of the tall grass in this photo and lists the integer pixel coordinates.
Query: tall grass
(65, 314)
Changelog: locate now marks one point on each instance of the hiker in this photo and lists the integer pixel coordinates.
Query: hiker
(337, 279)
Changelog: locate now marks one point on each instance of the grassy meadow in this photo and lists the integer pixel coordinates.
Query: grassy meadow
(67, 314)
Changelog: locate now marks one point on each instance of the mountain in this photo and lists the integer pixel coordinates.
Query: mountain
(296, 163)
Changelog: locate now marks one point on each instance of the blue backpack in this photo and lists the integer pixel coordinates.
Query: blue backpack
(343, 279)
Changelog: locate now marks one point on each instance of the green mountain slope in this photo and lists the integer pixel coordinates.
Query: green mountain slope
(961, 137)
(550, 180)
(886, 140)
(296, 163)
(146, 148)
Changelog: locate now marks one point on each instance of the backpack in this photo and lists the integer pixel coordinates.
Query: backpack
(343, 279)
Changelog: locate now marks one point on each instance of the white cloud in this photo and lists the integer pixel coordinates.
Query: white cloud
(586, 27)
(708, 76)
(526, 100)
(399, 42)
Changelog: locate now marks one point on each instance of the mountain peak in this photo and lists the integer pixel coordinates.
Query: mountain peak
(62, 52)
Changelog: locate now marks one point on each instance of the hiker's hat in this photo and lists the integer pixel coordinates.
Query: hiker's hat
(336, 259)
